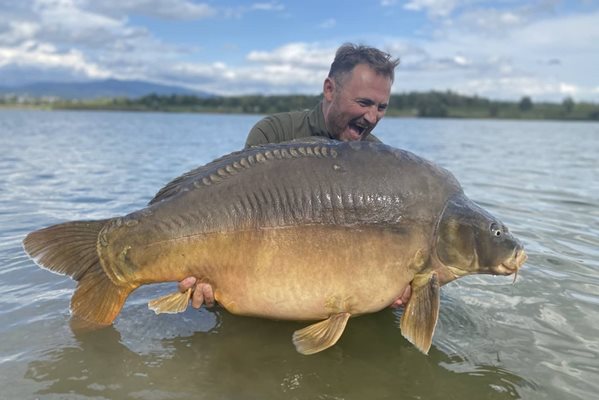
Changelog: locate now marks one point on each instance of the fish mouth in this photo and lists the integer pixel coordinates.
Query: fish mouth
(512, 266)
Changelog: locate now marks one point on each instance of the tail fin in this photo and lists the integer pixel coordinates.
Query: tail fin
(70, 249)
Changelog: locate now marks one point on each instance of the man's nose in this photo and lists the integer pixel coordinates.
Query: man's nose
(372, 116)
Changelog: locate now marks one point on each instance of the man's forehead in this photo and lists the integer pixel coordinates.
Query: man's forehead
(367, 82)
(370, 69)
(364, 73)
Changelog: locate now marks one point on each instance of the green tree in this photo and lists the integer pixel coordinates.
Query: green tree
(525, 104)
(432, 104)
(493, 109)
(568, 104)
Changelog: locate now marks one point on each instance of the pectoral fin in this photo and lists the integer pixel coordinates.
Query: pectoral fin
(320, 335)
(171, 303)
(420, 316)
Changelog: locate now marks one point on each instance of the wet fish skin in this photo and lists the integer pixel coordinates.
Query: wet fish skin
(300, 231)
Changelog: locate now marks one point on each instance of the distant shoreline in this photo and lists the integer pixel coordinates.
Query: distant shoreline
(412, 105)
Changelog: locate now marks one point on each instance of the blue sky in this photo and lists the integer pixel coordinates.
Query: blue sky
(502, 49)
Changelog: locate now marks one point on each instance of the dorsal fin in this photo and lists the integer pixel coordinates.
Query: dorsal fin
(233, 163)
(173, 186)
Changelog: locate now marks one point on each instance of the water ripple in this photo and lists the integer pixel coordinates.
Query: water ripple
(535, 339)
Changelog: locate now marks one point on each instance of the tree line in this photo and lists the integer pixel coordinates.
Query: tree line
(433, 104)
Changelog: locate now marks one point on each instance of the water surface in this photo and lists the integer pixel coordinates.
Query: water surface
(537, 339)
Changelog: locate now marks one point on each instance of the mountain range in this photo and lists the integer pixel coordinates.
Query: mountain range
(108, 88)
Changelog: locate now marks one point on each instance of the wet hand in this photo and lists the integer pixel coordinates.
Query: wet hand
(403, 299)
(202, 292)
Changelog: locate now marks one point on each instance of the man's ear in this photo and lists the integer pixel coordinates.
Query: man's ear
(328, 88)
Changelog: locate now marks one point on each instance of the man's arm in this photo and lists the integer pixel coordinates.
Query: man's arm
(256, 137)
(265, 131)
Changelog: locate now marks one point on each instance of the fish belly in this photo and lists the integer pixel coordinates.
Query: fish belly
(310, 272)
(296, 273)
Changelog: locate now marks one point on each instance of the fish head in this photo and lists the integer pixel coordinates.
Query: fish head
(472, 241)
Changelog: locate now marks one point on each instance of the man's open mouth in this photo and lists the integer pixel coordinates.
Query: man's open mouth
(359, 128)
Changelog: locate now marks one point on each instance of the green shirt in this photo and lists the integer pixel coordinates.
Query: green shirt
(286, 126)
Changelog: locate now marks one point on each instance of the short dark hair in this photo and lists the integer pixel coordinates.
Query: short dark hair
(349, 55)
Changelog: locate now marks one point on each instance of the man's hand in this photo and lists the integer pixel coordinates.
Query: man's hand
(202, 292)
(403, 299)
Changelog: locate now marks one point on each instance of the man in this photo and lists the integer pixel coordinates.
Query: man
(355, 97)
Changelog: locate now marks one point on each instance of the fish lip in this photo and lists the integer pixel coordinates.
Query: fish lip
(506, 269)
(513, 264)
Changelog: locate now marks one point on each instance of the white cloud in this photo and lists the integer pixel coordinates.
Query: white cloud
(17, 32)
(56, 34)
(568, 89)
(328, 23)
(299, 54)
(45, 56)
(485, 20)
(435, 8)
(493, 52)
(64, 16)
(293, 68)
(461, 61)
(172, 9)
(238, 12)
(271, 6)
(62, 36)
(547, 57)
(515, 87)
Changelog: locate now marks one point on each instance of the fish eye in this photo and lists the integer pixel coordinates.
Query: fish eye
(495, 230)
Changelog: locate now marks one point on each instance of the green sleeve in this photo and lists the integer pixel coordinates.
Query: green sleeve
(263, 132)
(372, 138)
(282, 127)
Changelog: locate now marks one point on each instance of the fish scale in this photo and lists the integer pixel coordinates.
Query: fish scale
(308, 230)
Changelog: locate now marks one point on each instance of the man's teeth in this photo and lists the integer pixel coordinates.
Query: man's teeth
(358, 128)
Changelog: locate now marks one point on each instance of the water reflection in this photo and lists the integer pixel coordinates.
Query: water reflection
(535, 340)
(251, 358)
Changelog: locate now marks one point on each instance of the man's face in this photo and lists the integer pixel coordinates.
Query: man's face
(353, 108)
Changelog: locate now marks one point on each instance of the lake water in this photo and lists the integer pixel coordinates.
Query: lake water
(536, 339)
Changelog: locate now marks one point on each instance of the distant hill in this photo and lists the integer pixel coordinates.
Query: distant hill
(97, 89)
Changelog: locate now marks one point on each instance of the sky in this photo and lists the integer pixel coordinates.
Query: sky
(500, 49)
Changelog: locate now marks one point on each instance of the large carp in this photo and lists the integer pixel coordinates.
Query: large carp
(310, 230)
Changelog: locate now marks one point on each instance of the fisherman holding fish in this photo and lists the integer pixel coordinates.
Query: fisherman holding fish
(355, 97)
(309, 230)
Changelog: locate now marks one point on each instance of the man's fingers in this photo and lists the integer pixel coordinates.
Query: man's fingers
(197, 298)
(207, 293)
(403, 299)
(397, 303)
(407, 293)
(202, 292)
(187, 283)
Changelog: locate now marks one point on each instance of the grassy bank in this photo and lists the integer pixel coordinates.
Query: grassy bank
(428, 104)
